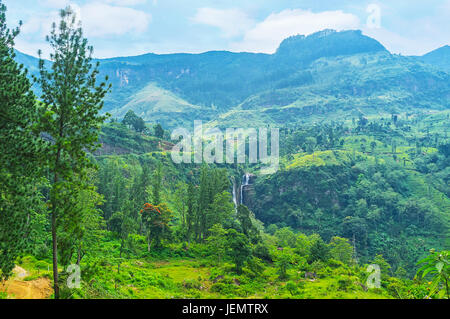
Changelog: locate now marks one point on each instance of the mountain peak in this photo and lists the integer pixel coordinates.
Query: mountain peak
(442, 50)
(323, 33)
(328, 43)
(439, 58)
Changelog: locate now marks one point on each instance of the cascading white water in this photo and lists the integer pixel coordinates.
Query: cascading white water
(245, 182)
(234, 195)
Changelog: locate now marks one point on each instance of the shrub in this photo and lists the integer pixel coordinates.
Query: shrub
(41, 265)
(192, 284)
(333, 263)
(345, 283)
(224, 288)
(292, 288)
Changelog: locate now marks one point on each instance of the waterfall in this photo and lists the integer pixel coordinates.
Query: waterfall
(234, 195)
(245, 182)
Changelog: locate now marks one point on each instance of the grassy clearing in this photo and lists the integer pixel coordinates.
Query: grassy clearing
(322, 158)
(176, 278)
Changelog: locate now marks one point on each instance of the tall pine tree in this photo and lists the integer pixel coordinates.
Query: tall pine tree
(20, 149)
(73, 101)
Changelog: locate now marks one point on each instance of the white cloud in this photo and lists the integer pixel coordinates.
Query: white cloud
(414, 36)
(41, 24)
(399, 44)
(267, 35)
(63, 3)
(232, 22)
(55, 3)
(32, 48)
(126, 2)
(101, 20)
(392, 41)
(98, 20)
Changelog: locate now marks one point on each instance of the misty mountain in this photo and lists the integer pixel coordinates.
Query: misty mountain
(326, 75)
(439, 58)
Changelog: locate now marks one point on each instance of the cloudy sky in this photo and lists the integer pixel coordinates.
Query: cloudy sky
(132, 27)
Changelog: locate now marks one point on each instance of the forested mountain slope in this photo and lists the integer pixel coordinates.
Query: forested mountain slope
(357, 208)
(439, 58)
(321, 76)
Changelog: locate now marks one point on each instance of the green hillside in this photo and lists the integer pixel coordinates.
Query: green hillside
(158, 105)
(327, 75)
(96, 207)
(440, 58)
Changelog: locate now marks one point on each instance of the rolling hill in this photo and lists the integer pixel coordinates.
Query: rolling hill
(439, 58)
(327, 75)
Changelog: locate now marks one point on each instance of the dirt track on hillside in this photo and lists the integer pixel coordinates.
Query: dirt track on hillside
(17, 288)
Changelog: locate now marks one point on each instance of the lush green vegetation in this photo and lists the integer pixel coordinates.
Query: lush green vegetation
(325, 76)
(367, 189)
(377, 183)
(199, 247)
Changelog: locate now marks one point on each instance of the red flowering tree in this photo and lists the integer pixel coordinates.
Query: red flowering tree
(156, 220)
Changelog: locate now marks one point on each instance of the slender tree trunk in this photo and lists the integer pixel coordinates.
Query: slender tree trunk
(120, 256)
(79, 256)
(446, 287)
(354, 248)
(149, 244)
(54, 237)
(55, 255)
(54, 211)
(188, 237)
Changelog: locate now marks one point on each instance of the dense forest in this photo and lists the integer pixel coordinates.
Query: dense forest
(80, 189)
